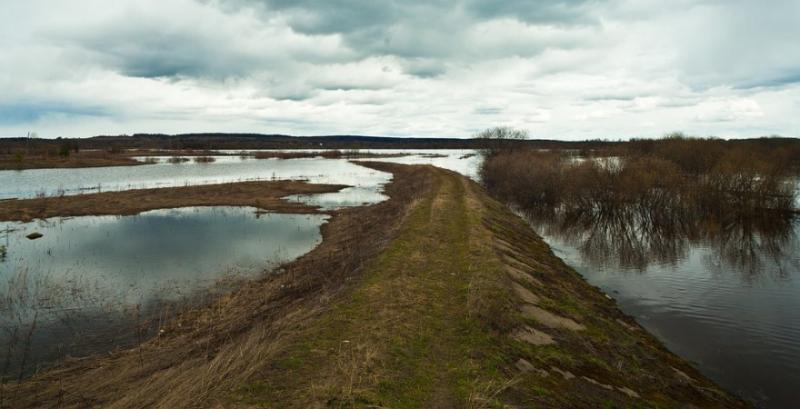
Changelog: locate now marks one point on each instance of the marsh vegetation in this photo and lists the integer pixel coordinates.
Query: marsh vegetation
(204, 159)
(696, 238)
(421, 292)
(73, 293)
(650, 201)
(675, 177)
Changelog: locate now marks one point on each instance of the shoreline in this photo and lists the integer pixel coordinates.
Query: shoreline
(350, 236)
(264, 195)
(73, 161)
(95, 159)
(437, 297)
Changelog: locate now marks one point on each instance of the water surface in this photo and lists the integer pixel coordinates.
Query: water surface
(366, 183)
(727, 298)
(87, 280)
(464, 161)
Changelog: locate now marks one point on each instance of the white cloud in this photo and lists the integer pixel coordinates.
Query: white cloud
(564, 69)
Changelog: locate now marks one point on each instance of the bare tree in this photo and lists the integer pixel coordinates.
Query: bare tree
(500, 137)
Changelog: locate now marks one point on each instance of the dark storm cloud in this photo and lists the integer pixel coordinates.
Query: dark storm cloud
(775, 80)
(411, 29)
(154, 53)
(558, 67)
(348, 16)
(335, 16)
(207, 45)
(20, 112)
(424, 68)
(557, 12)
(425, 35)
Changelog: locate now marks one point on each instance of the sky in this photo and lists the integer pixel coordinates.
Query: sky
(570, 69)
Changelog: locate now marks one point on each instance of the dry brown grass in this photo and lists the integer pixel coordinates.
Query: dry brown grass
(433, 322)
(263, 195)
(204, 353)
(675, 178)
(406, 303)
(83, 159)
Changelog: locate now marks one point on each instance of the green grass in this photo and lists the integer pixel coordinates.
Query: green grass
(427, 325)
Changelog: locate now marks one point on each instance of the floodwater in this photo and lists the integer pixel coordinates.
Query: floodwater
(365, 184)
(464, 161)
(87, 280)
(89, 283)
(726, 298)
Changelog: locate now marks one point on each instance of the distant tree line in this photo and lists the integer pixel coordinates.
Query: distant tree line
(214, 141)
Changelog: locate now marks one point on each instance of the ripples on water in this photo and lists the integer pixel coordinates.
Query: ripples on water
(725, 297)
(86, 282)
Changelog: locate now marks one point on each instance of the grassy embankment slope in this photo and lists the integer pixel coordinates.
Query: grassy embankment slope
(440, 297)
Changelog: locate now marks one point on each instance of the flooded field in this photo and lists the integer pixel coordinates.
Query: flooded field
(89, 284)
(52, 182)
(86, 282)
(727, 298)
(463, 161)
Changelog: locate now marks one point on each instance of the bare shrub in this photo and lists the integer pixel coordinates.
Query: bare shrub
(671, 177)
(177, 160)
(204, 159)
(531, 179)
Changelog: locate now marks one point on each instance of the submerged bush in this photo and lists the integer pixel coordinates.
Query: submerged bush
(642, 183)
(744, 182)
(650, 201)
(204, 159)
(672, 177)
(528, 178)
(177, 160)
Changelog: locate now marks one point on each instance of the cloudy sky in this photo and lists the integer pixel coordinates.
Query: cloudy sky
(569, 69)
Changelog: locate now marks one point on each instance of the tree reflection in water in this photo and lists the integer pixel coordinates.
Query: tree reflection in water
(632, 239)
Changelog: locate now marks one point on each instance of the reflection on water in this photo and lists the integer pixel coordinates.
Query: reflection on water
(366, 184)
(464, 161)
(725, 295)
(85, 286)
(629, 241)
(30, 183)
(350, 196)
(90, 276)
